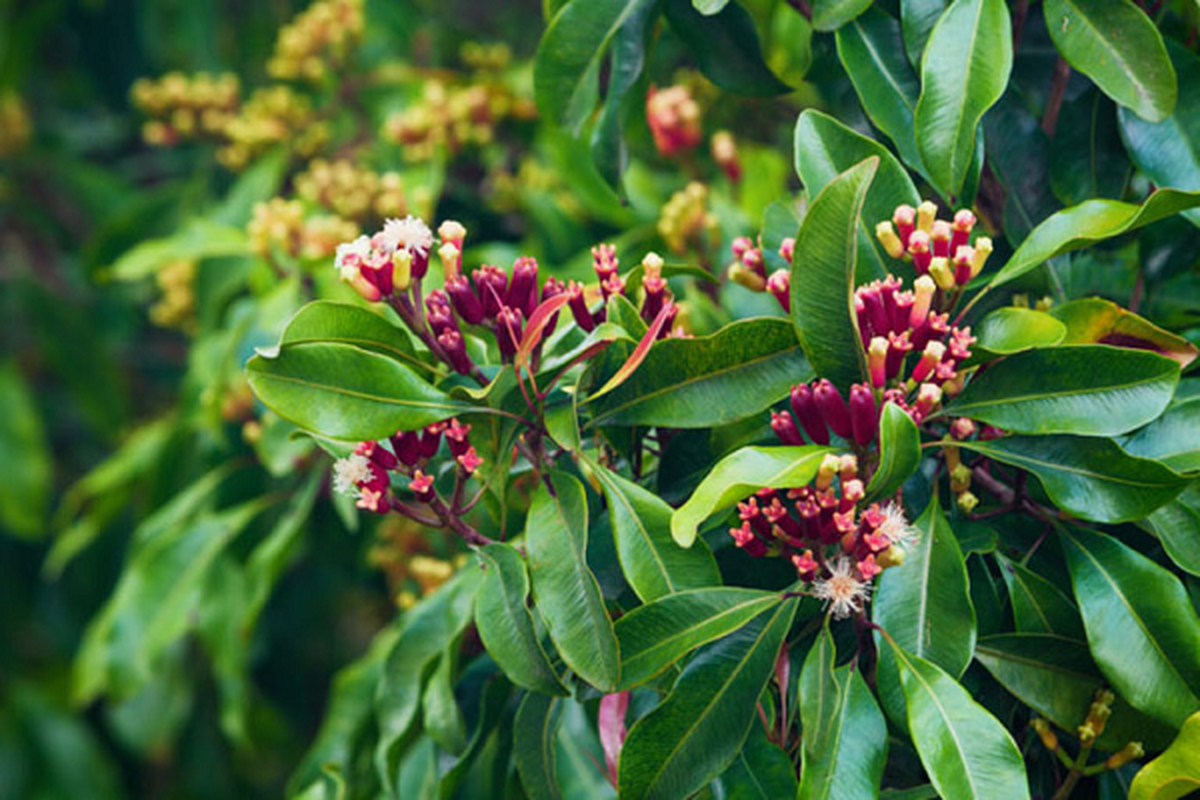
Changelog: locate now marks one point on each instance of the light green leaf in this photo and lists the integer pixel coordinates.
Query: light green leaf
(829, 15)
(1115, 44)
(1011, 329)
(342, 323)
(740, 474)
(917, 18)
(1177, 526)
(1141, 627)
(564, 588)
(656, 635)
(197, 239)
(1094, 320)
(964, 71)
(899, 452)
(26, 468)
(1176, 772)
(535, 731)
(822, 284)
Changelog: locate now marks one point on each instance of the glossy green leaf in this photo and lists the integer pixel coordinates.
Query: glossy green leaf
(899, 452)
(441, 718)
(1011, 329)
(656, 635)
(564, 588)
(1172, 439)
(628, 59)
(1115, 44)
(1038, 605)
(26, 470)
(871, 50)
(725, 47)
(963, 73)
(1141, 628)
(1087, 158)
(709, 7)
(1089, 477)
(1087, 223)
(966, 752)
(1177, 526)
(567, 64)
(737, 372)
(845, 734)
(1089, 390)
(1056, 677)
(1176, 772)
(342, 392)
(196, 239)
(506, 625)
(535, 730)
(824, 148)
(437, 619)
(1094, 320)
(343, 323)
(822, 283)
(829, 15)
(697, 731)
(917, 18)
(1169, 151)
(740, 474)
(761, 771)
(652, 562)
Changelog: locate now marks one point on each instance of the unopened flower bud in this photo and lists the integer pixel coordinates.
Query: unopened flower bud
(926, 214)
(451, 259)
(848, 467)
(964, 222)
(744, 277)
(868, 568)
(457, 437)
(804, 406)
(967, 502)
(983, 249)
(779, 285)
(877, 354)
(523, 290)
(964, 258)
(887, 237)
(402, 273)
(929, 395)
(962, 428)
(1123, 756)
(1046, 733)
(787, 249)
(923, 291)
(431, 439)
(918, 248)
(863, 420)
(892, 557)
(826, 471)
(456, 351)
(367, 290)
(453, 232)
(939, 238)
(579, 308)
(930, 358)
(741, 245)
(552, 288)
(725, 153)
(785, 428)
(942, 274)
(960, 477)
(833, 408)
(806, 565)
(463, 298)
(508, 332)
(853, 490)
(905, 219)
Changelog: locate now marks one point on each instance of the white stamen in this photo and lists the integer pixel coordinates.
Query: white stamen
(360, 247)
(349, 471)
(896, 528)
(842, 592)
(409, 232)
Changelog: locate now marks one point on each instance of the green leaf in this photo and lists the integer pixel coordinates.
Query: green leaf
(1094, 320)
(342, 392)
(917, 18)
(709, 7)
(871, 50)
(845, 734)
(1011, 329)
(197, 239)
(762, 771)
(1177, 526)
(441, 718)
(963, 73)
(1169, 151)
(325, 321)
(1087, 158)
(1092, 478)
(506, 625)
(564, 588)
(424, 631)
(535, 730)
(1087, 223)
(825, 147)
(899, 452)
(737, 372)
(822, 284)
(1115, 44)
(567, 64)
(966, 752)
(1176, 772)
(1056, 677)
(652, 562)
(1088, 390)
(740, 474)
(1038, 605)
(725, 47)
(697, 731)
(27, 469)
(1172, 439)
(656, 635)
(628, 60)
(1141, 627)
(830, 15)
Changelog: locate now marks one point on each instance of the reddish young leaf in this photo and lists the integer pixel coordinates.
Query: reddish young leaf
(638, 356)
(538, 320)
(611, 724)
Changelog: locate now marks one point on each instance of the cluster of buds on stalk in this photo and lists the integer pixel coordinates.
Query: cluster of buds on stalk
(940, 249)
(835, 545)
(686, 222)
(674, 119)
(749, 269)
(353, 192)
(281, 225)
(176, 306)
(318, 40)
(656, 296)
(366, 473)
(1093, 725)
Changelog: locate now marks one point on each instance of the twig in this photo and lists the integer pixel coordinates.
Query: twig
(1058, 88)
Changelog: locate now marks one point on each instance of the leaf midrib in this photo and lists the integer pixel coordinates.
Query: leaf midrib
(662, 643)
(274, 376)
(1128, 70)
(1057, 395)
(1064, 468)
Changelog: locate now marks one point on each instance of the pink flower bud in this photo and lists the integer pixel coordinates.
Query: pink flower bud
(898, 347)
(456, 437)
(806, 566)
(868, 569)
(785, 428)
(779, 285)
(470, 460)
(964, 222)
(374, 501)
(438, 313)
(863, 420)
(905, 219)
(833, 408)
(407, 447)
(926, 214)
(508, 332)
(604, 261)
(964, 257)
(492, 284)
(753, 260)
(579, 309)
(928, 397)
(744, 538)
(787, 249)
(877, 354)
(367, 290)
(923, 291)
(431, 439)
(805, 409)
(852, 491)
(522, 291)
(552, 288)
(930, 358)
(918, 248)
(456, 351)
(887, 237)
(612, 285)
(463, 298)
(939, 238)
(377, 454)
(962, 428)
(741, 246)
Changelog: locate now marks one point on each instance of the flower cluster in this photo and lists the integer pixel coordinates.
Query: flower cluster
(353, 192)
(656, 297)
(749, 269)
(685, 222)
(453, 118)
(280, 225)
(273, 115)
(725, 152)
(366, 473)
(317, 41)
(937, 248)
(674, 119)
(176, 307)
(185, 107)
(15, 128)
(834, 545)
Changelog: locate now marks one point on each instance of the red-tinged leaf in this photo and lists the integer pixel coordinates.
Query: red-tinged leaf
(538, 320)
(611, 723)
(783, 668)
(637, 357)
